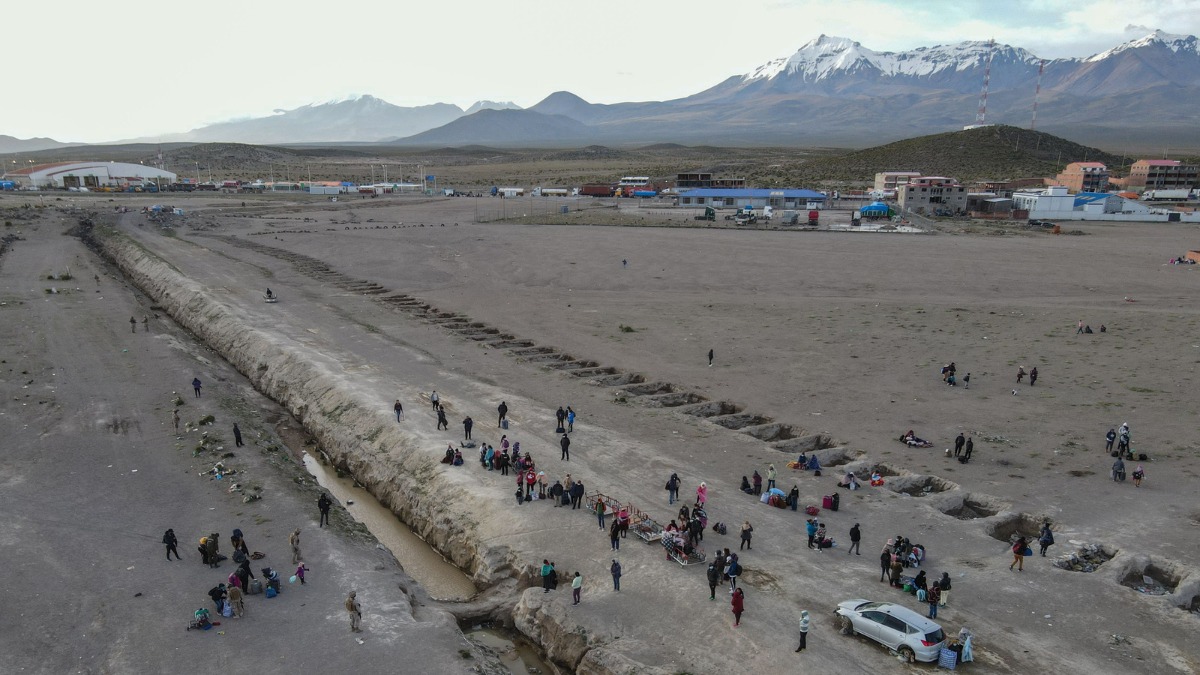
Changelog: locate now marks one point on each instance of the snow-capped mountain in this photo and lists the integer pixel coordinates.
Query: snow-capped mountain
(491, 105)
(831, 90)
(828, 57)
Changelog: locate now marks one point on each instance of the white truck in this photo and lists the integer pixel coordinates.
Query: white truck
(1166, 195)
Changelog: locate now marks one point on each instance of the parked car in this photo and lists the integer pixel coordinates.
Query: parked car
(896, 627)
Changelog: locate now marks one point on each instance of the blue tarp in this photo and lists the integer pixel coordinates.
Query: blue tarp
(876, 209)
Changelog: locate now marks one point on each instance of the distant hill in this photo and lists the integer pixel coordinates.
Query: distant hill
(12, 144)
(500, 128)
(995, 152)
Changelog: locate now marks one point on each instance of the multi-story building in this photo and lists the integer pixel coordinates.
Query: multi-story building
(1084, 177)
(701, 180)
(1162, 174)
(889, 180)
(935, 195)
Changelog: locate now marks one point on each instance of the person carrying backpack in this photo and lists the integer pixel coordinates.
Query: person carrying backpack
(672, 488)
(1046, 538)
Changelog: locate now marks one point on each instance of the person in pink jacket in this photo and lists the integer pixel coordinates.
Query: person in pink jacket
(702, 493)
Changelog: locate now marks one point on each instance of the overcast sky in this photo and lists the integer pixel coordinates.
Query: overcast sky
(80, 70)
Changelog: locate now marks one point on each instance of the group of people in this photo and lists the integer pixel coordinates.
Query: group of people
(950, 375)
(1033, 375)
(228, 596)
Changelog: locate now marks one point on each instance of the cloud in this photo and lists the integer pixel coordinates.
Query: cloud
(1137, 30)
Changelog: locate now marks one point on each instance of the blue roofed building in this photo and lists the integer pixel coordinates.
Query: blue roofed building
(752, 198)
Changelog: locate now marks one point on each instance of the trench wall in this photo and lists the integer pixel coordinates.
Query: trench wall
(345, 420)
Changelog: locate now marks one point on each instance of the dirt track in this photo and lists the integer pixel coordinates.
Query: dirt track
(835, 334)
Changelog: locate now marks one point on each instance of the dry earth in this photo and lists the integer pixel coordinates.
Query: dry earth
(829, 334)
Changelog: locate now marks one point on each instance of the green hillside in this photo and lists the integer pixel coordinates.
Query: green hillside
(995, 152)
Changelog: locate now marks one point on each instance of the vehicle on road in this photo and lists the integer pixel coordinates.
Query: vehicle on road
(896, 627)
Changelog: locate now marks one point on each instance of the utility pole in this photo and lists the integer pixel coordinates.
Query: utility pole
(981, 115)
(1036, 92)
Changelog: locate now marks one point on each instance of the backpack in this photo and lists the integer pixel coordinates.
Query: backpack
(720, 528)
(271, 592)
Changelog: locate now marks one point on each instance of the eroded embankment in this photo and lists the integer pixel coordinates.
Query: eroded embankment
(389, 464)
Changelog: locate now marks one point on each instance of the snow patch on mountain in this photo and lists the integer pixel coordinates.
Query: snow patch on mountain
(1175, 43)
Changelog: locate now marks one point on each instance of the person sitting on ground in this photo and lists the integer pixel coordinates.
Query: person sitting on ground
(685, 514)
(814, 465)
(849, 481)
(270, 294)
(1103, 328)
(1088, 330)
(458, 460)
(671, 527)
(876, 479)
(745, 487)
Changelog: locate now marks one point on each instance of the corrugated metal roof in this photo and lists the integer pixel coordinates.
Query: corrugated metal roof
(751, 193)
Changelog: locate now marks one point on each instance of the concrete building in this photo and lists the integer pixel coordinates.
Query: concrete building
(699, 180)
(752, 199)
(890, 180)
(1162, 174)
(90, 175)
(932, 195)
(1084, 177)
(1049, 203)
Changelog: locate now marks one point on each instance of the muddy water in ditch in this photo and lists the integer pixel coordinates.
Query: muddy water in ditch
(516, 655)
(426, 566)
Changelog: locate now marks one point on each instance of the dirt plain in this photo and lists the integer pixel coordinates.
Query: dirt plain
(834, 334)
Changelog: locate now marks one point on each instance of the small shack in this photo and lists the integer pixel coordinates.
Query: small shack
(877, 210)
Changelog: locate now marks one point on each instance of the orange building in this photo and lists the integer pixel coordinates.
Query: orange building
(1084, 177)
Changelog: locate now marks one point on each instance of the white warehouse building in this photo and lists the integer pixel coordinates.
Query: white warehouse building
(89, 175)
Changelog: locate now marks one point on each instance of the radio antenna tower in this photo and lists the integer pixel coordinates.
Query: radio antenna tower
(981, 116)
(1036, 93)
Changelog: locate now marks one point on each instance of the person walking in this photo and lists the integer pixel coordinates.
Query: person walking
(738, 601)
(1018, 551)
(701, 493)
(959, 442)
(399, 410)
(354, 609)
(714, 578)
(1033, 376)
(442, 422)
(196, 386)
(570, 420)
(885, 563)
(175, 420)
(1138, 474)
(1045, 538)
(747, 533)
(1109, 439)
(237, 435)
(294, 541)
(614, 535)
(301, 568)
(969, 449)
(672, 488)
(943, 585)
(323, 504)
(170, 541)
(502, 409)
(576, 587)
(1020, 374)
(615, 570)
(467, 424)
(933, 596)
(565, 444)
(235, 601)
(1118, 470)
(434, 400)
(771, 475)
(132, 325)
(804, 622)
(967, 381)
(710, 358)
(855, 539)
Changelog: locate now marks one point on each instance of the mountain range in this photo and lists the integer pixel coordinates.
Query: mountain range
(832, 91)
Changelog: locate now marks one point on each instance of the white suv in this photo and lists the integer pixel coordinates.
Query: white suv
(899, 628)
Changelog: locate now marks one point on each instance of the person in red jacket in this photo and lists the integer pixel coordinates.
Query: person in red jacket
(739, 603)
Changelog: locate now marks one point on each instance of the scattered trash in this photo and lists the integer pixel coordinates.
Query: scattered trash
(1150, 586)
(359, 641)
(1088, 558)
(129, 568)
(1118, 639)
